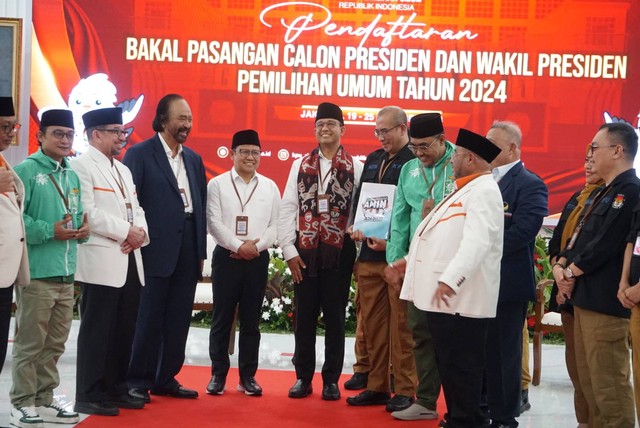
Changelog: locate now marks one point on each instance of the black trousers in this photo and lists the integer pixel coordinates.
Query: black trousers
(329, 292)
(6, 297)
(504, 362)
(460, 343)
(243, 283)
(163, 321)
(108, 319)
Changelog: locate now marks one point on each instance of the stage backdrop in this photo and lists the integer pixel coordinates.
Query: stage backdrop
(559, 68)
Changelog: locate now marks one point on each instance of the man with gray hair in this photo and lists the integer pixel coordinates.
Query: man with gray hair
(524, 196)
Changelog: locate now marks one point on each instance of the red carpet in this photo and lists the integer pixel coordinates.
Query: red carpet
(234, 409)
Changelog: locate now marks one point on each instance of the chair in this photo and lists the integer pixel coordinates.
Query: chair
(544, 322)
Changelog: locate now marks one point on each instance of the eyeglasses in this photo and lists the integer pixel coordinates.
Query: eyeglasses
(59, 135)
(421, 147)
(329, 124)
(593, 146)
(382, 132)
(9, 128)
(246, 152)
(118, 132)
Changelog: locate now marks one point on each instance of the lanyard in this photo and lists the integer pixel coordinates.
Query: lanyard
(384, 167)
(595, 202)
(424, 175)
(243, 205)
(119, 181)
(322, 180)
(65, 200)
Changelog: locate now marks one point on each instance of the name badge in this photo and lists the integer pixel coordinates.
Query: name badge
(185, 200)
(636, 246)
(129, 212)
(242, 225)
(427, 206)
(69, 224)
(323, 204)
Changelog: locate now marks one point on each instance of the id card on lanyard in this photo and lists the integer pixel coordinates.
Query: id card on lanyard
(242, 221)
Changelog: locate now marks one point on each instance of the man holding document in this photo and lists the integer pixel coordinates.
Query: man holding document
(383, 316)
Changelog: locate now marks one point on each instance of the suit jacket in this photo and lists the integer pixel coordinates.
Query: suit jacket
(459, 243)
(160, 198)
(525, 206)
(14, 262)
(100, 260)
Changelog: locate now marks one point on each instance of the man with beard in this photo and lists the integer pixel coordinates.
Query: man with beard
(423, 183)
(172, 190)
(109, 268)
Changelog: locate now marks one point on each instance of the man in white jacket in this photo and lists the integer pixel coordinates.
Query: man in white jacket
(14, 263)
(109, 268)
(453, 273)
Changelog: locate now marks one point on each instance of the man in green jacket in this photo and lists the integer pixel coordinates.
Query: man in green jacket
(423, 183)
(54, 224)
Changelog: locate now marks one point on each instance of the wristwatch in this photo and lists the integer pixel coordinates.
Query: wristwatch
(568, 273)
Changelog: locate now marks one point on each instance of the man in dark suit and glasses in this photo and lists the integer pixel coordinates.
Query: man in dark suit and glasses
(172, 190)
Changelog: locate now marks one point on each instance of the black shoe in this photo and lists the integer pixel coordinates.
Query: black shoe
(300, 389)
(249, 386)
(216, 385)
(524, 401)
(125, 401)
(140, 394)
(330, 392)
(399, 402)
(178, 392)
(357, 381)
(369, 398)
(101, 408)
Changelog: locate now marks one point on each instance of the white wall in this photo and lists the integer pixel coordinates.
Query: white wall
(21, 9)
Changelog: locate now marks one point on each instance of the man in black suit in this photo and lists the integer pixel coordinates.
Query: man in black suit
(524, 196)
(172, 190)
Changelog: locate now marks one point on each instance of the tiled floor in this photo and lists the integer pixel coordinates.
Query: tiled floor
(551, 401)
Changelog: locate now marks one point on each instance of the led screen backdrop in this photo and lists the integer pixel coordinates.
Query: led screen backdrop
(559, 68)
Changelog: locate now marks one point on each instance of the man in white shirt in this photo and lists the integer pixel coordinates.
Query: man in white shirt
(316, 207)
(242, 217)
(109, 271)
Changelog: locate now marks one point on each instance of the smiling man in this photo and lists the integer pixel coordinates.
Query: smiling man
(110, 270)
(423, 183)
(316, 207)
(242, 217)
(54, 224)
(172, 189)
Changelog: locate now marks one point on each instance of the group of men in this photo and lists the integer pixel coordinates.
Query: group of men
(135, 306)
(458, 262)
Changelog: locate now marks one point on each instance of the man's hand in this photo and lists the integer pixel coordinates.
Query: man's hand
(247, 251)
(60, 231)
(443, 294)
(627, 295)
(376, 244)
(565, 285)
(356, 235)
(394, 274)
(135, 237)
(7, 183)
(295, 266)
(85, 230)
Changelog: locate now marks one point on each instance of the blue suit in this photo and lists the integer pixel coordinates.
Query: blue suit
(172, 262)
(524, 196)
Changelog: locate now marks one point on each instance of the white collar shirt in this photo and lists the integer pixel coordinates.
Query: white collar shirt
(261, 200)
(500, 171)
(179, 171)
